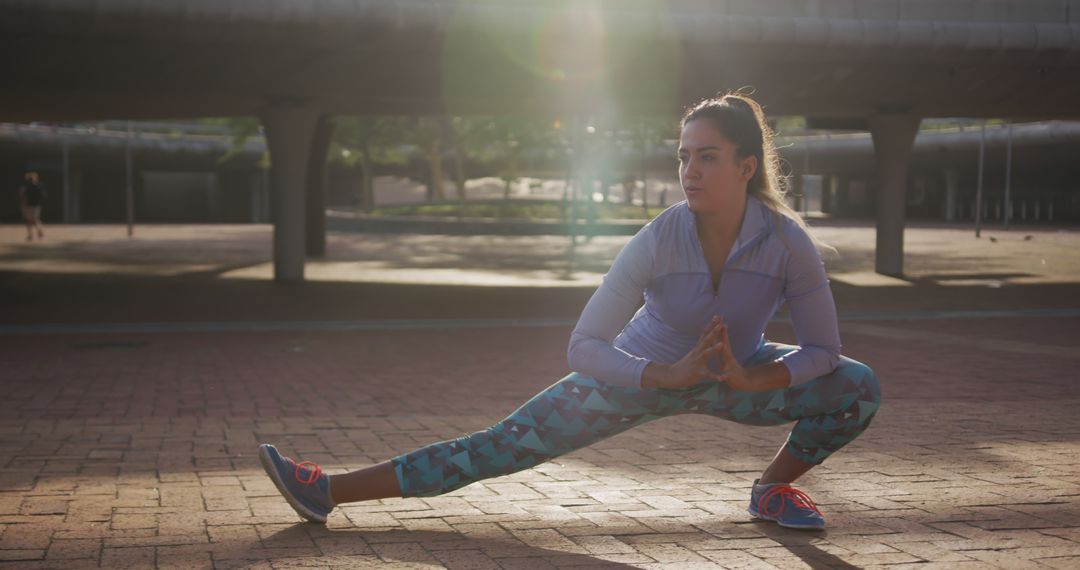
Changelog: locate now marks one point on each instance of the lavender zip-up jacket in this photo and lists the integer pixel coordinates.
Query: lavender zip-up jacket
(772, 261)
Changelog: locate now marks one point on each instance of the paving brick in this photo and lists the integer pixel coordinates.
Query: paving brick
(133, 557)
(737, 559)
(548, 539)
(130, 521)
(73, 549)
(466, 560)
(26, 536)
(1062, 563)
(604, 545)
(183, 557)
(670, 553)
(408, 552)
(21, 554)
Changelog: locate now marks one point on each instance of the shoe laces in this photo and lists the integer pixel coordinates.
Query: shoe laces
(314, 472)
(798, 498)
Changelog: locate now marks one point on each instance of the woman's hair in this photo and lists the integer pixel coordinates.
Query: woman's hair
(741, 120)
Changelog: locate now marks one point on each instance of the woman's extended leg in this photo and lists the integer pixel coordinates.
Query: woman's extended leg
(572, 413)
(368, 484)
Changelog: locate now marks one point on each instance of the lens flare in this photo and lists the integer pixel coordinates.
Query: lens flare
(561, 55)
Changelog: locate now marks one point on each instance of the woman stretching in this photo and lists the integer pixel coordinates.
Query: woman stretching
(712, 271)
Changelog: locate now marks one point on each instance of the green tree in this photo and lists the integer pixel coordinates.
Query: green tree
(368, 141)
(240, 130)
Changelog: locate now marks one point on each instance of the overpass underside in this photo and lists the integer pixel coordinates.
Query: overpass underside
(885, 64)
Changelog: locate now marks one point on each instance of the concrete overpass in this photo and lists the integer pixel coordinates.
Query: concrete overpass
(883, 64)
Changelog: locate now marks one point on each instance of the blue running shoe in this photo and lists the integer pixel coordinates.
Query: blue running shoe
(304, 485)
(786, 506)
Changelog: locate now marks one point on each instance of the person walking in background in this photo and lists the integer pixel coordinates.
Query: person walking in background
(711, 270)
(31, 197)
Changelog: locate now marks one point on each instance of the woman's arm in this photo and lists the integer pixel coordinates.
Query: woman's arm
(812, 309)
(607, 312)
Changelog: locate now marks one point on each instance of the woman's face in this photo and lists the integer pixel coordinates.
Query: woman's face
(712, 176)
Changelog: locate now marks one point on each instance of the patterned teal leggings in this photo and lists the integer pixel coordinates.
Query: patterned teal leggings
(578, 411)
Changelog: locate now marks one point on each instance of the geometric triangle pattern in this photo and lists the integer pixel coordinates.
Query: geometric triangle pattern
(577, 411)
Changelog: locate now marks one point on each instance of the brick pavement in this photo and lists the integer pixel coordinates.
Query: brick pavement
(138, 449)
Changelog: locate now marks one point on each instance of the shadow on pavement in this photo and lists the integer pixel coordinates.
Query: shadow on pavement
(45, 298)
(109, 298)
(454, 550)
(460, 551)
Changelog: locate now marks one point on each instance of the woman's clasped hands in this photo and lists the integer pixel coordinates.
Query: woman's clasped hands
(694, 367)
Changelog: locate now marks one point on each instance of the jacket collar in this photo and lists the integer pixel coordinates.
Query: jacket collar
(756, 220)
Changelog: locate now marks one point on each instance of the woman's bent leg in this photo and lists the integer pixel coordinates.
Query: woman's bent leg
(830, 411)
(834, 410)
(573, 413)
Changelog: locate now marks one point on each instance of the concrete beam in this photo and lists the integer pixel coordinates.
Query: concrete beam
(827, 58)
(289, 128)
(894, 136)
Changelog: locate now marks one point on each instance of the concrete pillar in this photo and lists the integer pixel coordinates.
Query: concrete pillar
(832, 204)
(255, 193)
(129, 182)
(315, 240)
(289, 129)
(65, 173)
(893, 136)
(842, 198)
(213, 198)
(75, 177)
(795, 191)
(266, 216)
(952, 189)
